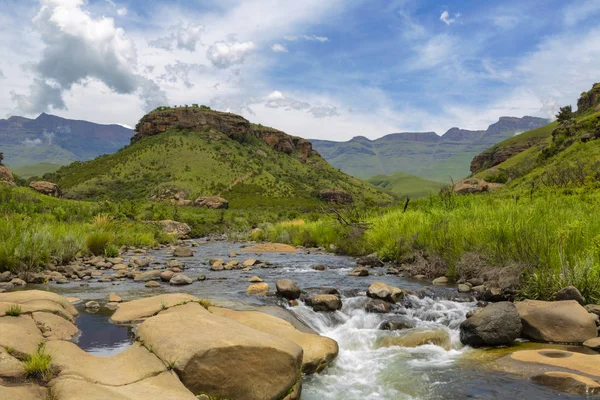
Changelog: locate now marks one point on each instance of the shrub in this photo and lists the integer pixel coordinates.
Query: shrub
(98, 242)
(111, 251)
(38, 365)
(565, 114)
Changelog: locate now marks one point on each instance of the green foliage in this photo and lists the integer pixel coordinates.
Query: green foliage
(98, 242)
(38, 365)
(406, 185)
(565, 114)
(111, 251)
(14, 310)
(498, 176)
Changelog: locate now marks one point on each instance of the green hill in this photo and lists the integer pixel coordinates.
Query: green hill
(562, 154)
(424, 154)
(406, 185)
(28, 171)
(208, 153)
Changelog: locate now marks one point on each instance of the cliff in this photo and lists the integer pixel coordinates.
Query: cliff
(232, 125)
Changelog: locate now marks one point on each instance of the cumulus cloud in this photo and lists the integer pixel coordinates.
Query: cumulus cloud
(2, 74)
(79, 47)
(181, 71)
(224, 54)
(276, 99)
(32, 142)
(183, 37)
(279, 48)
(313, 38)
(122, 11)
(447, 19)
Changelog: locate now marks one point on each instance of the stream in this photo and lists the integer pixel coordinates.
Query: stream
(364, 369)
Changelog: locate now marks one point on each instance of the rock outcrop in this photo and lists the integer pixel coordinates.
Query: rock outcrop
(47, 188)
(336, 196)
(213, 202)
(6, 177)
(495, 325)
(234, 126)
(589, 100)
(557, 321)
(474, 185)
(177, 229)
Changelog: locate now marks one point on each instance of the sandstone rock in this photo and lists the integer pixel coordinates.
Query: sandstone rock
(174, 264)
(47, 188)
(10, 367)
(249, 262)
(92, 304)
(177, 229)
(568, 382)
(378, 306)
(359, 271)
(593, 344)
(205, 349)
(152, 275)
(326, 302)
(5, 276)
(137, 310)
(569, 293)
(593, 309)
(442, 280)
(288, 289)
(152, 284)
(114, 298)
(180, 279)
(6, 177)
(474, 185)
(382, 291)
(318, 351)
(18, 282)
(25, 392)
(183, 252)
(495, 325)
(559, 321)
(586, 364)
(54, 327)
(271, 248)
(213, 202)
(255, 279)
(201, 277)
(416, 337)
(166, 276)
(370, 261)
(39, 300)
(258, 288)
(21, 334)
(232, 254)
(462, 288)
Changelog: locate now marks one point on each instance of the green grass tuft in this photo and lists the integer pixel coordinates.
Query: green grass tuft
(38, 365)
(14, 310)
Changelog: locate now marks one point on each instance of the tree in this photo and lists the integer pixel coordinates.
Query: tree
(565, 114)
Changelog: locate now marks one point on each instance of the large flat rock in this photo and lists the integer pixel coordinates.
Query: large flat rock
(54, 327)
(576, 362)
(136, 311)
(26, 392)
(164, 386)
(270, 248)
(28, 296)
(10, 367)
(319, 351)
(20, 334)
(132, 365)
(221, 357)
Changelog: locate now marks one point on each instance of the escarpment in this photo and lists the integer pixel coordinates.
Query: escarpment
(232, 125)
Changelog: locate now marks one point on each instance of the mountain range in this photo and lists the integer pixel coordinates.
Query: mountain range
(56, 140)
(424, 154)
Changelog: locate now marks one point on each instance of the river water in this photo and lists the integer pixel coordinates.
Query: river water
(363, 369)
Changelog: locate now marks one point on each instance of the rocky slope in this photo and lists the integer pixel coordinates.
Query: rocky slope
(192, 152)
(52, 139)
(424, 154)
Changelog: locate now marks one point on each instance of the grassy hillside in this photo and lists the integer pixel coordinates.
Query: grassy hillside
(405, 185)
(28, 171)
(206, 163)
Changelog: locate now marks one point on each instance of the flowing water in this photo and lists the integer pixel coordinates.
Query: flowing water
(364, 369)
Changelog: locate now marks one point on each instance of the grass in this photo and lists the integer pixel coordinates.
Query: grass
(14, 310)
(29, 171)
(406, 185)
(38, 365)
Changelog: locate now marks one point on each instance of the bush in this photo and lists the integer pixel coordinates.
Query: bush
(111, 251)
(565, 114)
(98, 242)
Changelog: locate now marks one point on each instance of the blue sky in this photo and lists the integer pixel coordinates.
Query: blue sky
(329, 69)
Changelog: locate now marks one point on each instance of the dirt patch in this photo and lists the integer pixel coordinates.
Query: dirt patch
(424, 263)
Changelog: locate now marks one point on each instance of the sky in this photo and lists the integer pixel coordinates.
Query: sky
(326, 69)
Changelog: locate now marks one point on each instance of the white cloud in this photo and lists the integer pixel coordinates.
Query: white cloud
(447, 19)
(279, 48)
(77, 48)
(435, 51)
(181, 71)
(2, 74)
(122, 11)
(226, 54)
(581, 10)
(32, 142)
(311, 38)
(182, 36)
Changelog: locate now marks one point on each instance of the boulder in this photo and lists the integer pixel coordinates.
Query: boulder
(495, 325)
(568, 361)
(152, 275)
(271, 248)
(568, 382)
(220, 357)
(25, 392)
(474, 185)
(333, 196)
(180, 279)
(318, 350)
(54, 327)
(593, 344)
(569, 293)
(442, 280)
(378, 306)
(249, 262)
(183, 252)
(326, 302)
(416, 337)
(382, 291)
(593, 309)
(396, 323)
(152, 284)
(370, 261)
(558, 321)
(258, 288)
(359, 271)
(177, 229)
(255, 279)
(462, 288)
(137, 310)
(114, 298)
(21, 334)
(288, 289)
(47, 188)
(6, 177)
(166, 275)
(213, 202)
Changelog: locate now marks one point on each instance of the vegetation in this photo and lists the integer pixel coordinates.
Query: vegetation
(565, 114)
(35, 170)
(405, 185)
(39, 364)
(14, 310)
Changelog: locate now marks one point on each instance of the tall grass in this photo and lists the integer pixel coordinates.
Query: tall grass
(552, 236)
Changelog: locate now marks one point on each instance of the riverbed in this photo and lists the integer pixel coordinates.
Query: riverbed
(363, 369)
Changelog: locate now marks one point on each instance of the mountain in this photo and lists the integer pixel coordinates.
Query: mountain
(406, 185)
(56, 140)
(562, 154)
(208, 153)
(424, 154)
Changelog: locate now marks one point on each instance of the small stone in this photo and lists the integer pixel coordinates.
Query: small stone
(359, 271)
(325, 302)
(174, 263)
(288, 289)
(18, 282)
(378, 306)
(420, 276)
(258, 288)
(463, 288)
(255, 279)
(166, 275)
(232, 254)
(92, 305)
(442, 280)
(114, 298)
(183, 252)
(152, 284)
(249, 262)
(319, 267)
(202, 277)
(180, 279)
(593, 344)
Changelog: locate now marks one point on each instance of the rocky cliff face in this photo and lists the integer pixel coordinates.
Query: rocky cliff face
(590, 99)
(232, 125)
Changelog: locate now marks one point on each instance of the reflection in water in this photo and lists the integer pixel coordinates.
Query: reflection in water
(100, 337)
